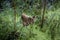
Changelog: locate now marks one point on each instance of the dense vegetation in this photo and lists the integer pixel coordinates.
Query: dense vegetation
(45, 27)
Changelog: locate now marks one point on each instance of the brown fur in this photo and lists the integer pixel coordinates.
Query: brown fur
(27, 19)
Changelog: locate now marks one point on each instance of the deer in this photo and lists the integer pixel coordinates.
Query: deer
(26, 19)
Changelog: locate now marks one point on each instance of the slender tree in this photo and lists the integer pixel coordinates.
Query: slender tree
(43, 12)
(15, 13)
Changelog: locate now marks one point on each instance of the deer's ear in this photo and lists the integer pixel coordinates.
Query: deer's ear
(34, 16)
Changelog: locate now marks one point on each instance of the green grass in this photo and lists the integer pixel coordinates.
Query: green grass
(37, 34)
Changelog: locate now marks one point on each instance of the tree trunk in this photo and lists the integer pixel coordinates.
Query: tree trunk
(14, 7)
(43, 13)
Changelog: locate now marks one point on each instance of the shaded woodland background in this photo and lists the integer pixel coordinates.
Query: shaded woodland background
(47, 22)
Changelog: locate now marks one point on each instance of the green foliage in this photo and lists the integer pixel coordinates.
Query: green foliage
(51, 27)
